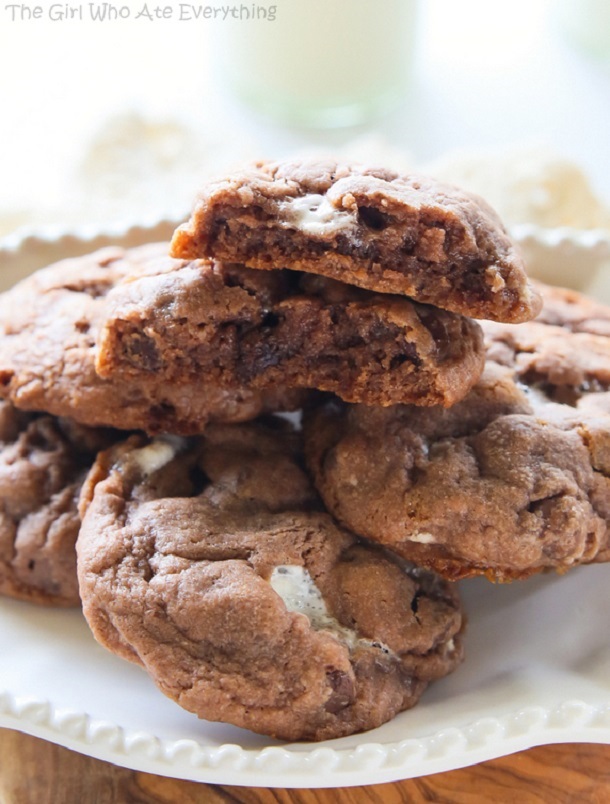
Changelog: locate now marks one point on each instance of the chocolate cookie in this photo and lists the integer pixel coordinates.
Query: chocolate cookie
(571, 310)
(512, 480)
(409, 235)
(43, 462)
(269, 329)
(48, 330)
(211, 564)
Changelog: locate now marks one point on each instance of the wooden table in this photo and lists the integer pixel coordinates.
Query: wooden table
(33, 771)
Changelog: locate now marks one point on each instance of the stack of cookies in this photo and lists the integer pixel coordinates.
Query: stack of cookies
(286, 580)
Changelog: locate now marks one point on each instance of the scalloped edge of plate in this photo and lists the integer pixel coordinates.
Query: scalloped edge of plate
(370, 763)
(29, 249)
(56, 234)
(596, 242)
(551, 254)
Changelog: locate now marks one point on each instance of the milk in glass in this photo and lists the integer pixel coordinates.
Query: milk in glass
(319, 62)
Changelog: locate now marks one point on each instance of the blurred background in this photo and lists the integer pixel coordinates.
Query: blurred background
(118, 119)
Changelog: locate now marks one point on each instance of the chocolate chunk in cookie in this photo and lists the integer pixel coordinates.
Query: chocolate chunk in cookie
(512, 480)
(48, 329)
(408, 235)
(43, 462)
(210, 563)
(269, 329)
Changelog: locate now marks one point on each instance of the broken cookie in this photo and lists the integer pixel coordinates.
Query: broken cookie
(48, 330)
(261, 330)
(371, 227)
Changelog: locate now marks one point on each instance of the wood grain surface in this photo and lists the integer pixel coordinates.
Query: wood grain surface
(33, 771)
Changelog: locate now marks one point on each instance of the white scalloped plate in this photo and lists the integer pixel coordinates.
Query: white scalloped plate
(560, 256)
(574, 258)
(537, 671)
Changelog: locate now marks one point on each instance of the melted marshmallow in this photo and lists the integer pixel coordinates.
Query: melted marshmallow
(423, 538)
(315, 215)
(157, 454)
(300, 594)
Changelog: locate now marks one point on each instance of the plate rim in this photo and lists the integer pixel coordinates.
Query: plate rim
(595, 241)
(569, 721)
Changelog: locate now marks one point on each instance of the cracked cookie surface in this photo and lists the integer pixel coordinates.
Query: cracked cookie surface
(211, 563)
(43, 462)
(512, 480)
(264, 329)
(48, 330)
(408, 235)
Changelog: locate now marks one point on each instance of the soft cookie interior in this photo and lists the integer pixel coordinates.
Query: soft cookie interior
(371, 227)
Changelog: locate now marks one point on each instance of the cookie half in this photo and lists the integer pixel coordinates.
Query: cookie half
(512, 480)
(211, 564)
(43, 462)
(48, 330)
(371, 227)
(268, 329)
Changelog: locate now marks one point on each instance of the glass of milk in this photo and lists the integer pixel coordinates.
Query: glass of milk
(319, 62)
(587, 24)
